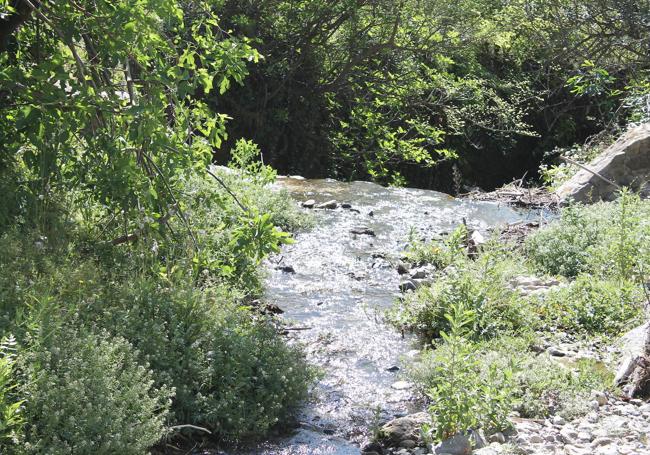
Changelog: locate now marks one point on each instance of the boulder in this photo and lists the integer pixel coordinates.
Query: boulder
(633, 371)
(309, 204)
(626, 163)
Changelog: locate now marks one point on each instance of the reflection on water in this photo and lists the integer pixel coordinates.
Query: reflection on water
(341, 285)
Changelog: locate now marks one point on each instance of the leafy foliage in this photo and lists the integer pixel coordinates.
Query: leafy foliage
(461, 398)
(88, 394)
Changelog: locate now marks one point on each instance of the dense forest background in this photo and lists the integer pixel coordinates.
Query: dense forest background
(380, 89)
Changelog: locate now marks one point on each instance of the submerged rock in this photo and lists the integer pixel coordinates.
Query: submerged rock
(286, 269)
(362, 230)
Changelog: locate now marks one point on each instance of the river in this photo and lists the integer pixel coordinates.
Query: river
(335, 299)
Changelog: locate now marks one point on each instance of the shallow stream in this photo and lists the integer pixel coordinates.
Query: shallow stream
(334, 301)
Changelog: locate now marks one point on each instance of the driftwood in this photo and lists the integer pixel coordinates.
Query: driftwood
(517, 195)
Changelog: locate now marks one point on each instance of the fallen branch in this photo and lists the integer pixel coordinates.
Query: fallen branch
(582, 166)
(187, 425)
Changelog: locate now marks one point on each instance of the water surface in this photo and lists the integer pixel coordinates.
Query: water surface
(341, 285)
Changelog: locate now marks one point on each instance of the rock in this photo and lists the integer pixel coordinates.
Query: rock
(407, 285)
(601, 441)
(393, 369)
(419, 273)
(459, 444)
(558, 420)
(555, 352)
(371, 213)
(329, 205)
(593, 404)
(345, 205)
(404, 428)
(536, 439)
(568, 434)
(477, 238)
(372, 447)
(599, 397)
(408, 444)
(402, 269)
(309, 204)
(285, 269)
(626, 163)
(497, 437)
(477, 438)
(401, 385)
(633, 348)
(362, 230)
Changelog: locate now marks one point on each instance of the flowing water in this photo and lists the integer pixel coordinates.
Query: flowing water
(334, 301)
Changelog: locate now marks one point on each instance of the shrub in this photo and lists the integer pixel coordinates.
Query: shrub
(534, 385)
(545, 388)
(440, 254)
(481, 287)
(606, 239)
(565, 246)
(592, 306)
(233, 374)
(463, 396)
(87, 394)
(11, 407)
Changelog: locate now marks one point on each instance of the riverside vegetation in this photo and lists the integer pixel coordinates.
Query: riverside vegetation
(483, 362)
(127, 265)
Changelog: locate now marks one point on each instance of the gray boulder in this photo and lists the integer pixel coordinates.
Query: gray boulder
(626, 163)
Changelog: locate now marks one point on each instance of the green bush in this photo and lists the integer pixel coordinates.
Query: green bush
(232, 374)
(440, 254)
(606, 239)
(232, 371)
(87, 394)
(481, 287)
(565, 246)
(464, 396)
(534, 385)
(591, 306)
(11, 407)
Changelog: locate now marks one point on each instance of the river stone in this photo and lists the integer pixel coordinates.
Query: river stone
(408, 444)
(372, 447)
(346, 205)
(459, 444)
(309, 204)
(407, 285)
(330, 205)
(404, 428)
(626, 163)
